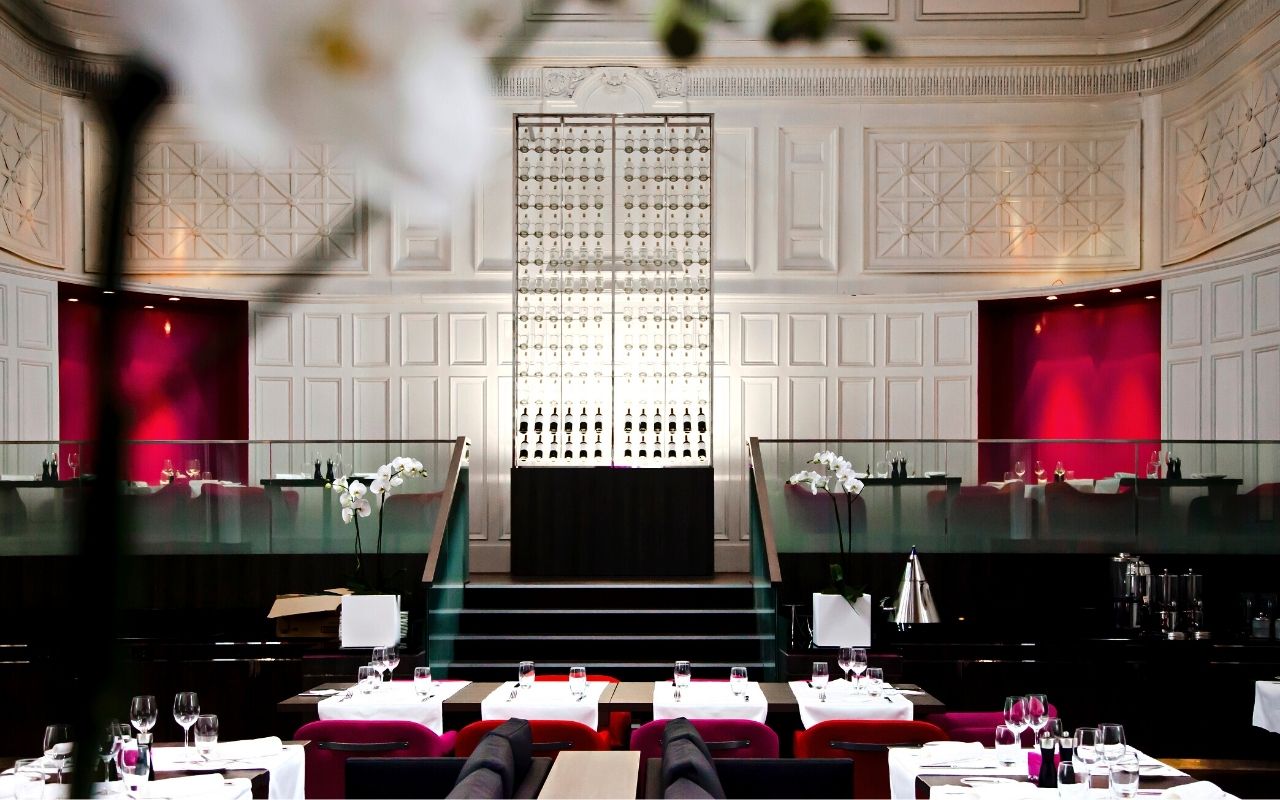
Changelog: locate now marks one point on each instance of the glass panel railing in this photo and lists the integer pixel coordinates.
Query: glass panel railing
(448, 567)
(1003, 496)
(219, 496)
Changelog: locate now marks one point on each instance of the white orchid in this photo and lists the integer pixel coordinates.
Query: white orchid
(826, 458)
(848, 479)
(813, 481)
(394, 83)
(360, 507)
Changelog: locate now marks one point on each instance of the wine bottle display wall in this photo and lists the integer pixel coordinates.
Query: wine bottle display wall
(613, 290)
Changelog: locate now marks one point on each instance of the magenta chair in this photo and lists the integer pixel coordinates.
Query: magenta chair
(330, 742)
(725, 738)
(978, 726)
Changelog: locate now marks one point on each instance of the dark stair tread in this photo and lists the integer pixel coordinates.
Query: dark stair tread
(590, 637)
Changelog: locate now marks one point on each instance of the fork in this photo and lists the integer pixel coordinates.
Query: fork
(345, 696)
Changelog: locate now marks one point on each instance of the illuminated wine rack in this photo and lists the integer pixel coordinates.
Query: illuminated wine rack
(613, 290)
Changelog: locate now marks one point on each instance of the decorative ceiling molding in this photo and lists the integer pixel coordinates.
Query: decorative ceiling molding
(50, 66)
(890, 78)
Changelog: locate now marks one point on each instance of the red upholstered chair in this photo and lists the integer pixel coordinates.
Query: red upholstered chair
(725, 738)
(866, 742)
(330, 742)
(978, 726)
(550, 736)
(619, 722)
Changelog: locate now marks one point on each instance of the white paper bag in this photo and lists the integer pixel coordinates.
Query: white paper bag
(370, 620)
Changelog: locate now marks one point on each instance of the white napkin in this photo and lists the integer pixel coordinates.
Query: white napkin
(186, 786)
(247, 748)
(289, 476)
(18, 477)
(709, 700)
(1199, 790)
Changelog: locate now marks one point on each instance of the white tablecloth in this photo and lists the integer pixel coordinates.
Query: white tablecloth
(233, 789)
(545, 700)
(906, 763)
(394, 700)
(843, 703)
(709, 700)
(285, 764)
(1266, 705)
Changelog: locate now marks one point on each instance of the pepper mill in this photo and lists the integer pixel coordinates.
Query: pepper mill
(1048, 770)
(328, 471)
(44, 470)
(317, 476)
(53, 467)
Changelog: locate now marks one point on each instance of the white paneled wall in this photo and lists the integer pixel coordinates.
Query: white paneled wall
(28, 360)
(790, 369)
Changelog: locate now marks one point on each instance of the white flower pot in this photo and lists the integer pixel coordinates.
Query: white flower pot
(370, 620)
(836, 624)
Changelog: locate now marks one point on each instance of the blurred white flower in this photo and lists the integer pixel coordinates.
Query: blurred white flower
(848, 478)
(394, 83)
(825, 458)
(813, 481)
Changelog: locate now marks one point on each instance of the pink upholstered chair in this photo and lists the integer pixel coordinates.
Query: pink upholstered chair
(725, 738)
(330, 742)
(978, 726)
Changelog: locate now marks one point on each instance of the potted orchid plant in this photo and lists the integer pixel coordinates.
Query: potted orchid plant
(353, 496)
(841, 612)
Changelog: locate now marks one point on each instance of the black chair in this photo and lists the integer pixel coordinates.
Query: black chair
(815, 778)
(405, 778)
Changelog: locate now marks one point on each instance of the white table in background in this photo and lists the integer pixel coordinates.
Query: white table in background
(709, 700)
(1266, 705)
(285, 766)
(843, 702)
(224, 789)
(545, 700)
(393, 700)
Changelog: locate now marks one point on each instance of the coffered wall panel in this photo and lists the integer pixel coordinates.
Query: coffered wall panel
(31, 213)
(28, 361)
(808, 194)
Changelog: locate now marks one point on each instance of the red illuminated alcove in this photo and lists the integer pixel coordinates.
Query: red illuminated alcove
(1051, 370)
(183, 366)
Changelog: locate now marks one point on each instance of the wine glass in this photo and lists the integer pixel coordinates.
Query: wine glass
(1086, 749)
(1072, 781)
(206, 733)
(526, 674)
(1123, 775)
(73, 461)
(108, 741)
(1037, 714)
(682, 676)
(368, 678)
(844, 659)
(1015, 714)
(168, 471)
(193, 468)
(142, 713)
(134, 763)
(422, 683)
(578, 682)
(58, 743)
(738, 680)
(1019, 469)
(393, 661)
(819, 679)
(859, 665)
(379, 660)
(186, 707)
(882, 469)
(1111, 743)
(1039, 470)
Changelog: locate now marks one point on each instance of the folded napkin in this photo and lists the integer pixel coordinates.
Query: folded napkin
(1198, 790)
(941, 754)
(186, 786)
(287, 476)
(18, 477)
(247, 748)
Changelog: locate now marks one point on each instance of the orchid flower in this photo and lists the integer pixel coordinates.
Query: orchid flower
(813, 481)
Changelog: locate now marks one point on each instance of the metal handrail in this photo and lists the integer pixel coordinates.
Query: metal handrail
(766, 517)
(444, 511)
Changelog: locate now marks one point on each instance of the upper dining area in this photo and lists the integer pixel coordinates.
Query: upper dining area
(640, 398)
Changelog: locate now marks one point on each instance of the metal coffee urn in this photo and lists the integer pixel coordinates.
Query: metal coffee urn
(1165, 590)
(1130, 587)
(1192, 615)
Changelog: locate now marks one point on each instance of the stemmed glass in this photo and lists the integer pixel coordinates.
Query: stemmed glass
(393, 661)
(193, 468)
(819, 679)
(186, 707)
(206, 728)
(368, 678)
(57, 746)
(1111, 744)
(1015, 715)
(142, 713)
(526, 674)
(1019, 469)
(109, 744)
(1037, 714)
(379, 660)
(844, 659)
(1086, 749)
(578, 682)
(73, 461)
(1039, 472)
(859, 664)
(168, 471)
(738, 680)
(682, 676)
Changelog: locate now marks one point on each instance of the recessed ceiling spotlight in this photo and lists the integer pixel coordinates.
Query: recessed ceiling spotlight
(1114, 291)
(148, 306)
(173, 299)
(1052, 297)
(1078, 305)
(73, 299)
(1151, 297)
(108, 291)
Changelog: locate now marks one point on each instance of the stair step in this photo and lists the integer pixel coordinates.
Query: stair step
(717, 596)
(616, 637)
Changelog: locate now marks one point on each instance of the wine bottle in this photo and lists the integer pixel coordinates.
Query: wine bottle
(582, 421)
(702, 421)
(642, 451)
(671, 448)
(582, 449)
(537, 422)
(554, 423)
(626, 422)
(524, 449)
(552, 451)
(600, 422)
(644, 423)
(568, 451)
(688, 422)
(568, 419)
(702, 449)
(626, 451)
(688, 451)
(537, 449)
(524, 421)
(671, 420)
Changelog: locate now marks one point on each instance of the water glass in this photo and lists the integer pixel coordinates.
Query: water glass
(142, 712)
(206, 733)
(422, 682)
(1073, 783)
(875, 681)
(738, 680)
(859, 664)
(28, 779)
(819, 679)
(526, 674)
(683, 674)
(1086, 749)
(1008, 746)
(1110, 741)
(134, 762)
(578, 682)
(368, 678)
(1123, 775)
(186, 707)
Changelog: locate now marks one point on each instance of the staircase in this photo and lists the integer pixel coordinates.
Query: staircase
(630, 630)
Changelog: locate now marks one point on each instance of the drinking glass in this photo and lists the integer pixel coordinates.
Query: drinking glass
(875, 681)
(206, 733)
(738, 680)
(819, 679)
(142, 712)
(393, 661)
(58, 743)
(859, 664)
(882, 469)
(578, 682)
(422, 682)
(1111, 743)
(379, 660)
(1015, 715)
(193, 468)
(1086, 750)
(1122, 775)
(73, 461)
(108, 741)
(1153, 470)
(1019, 469)
(1008, 745)
(526, 674)
(368, 678)
(1073, 783)
(1037, 715)
(28, 779)
(168, 471)
(186, 707)
(682, 676)
(845, 660)
(134, 763)
(1039, 472)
